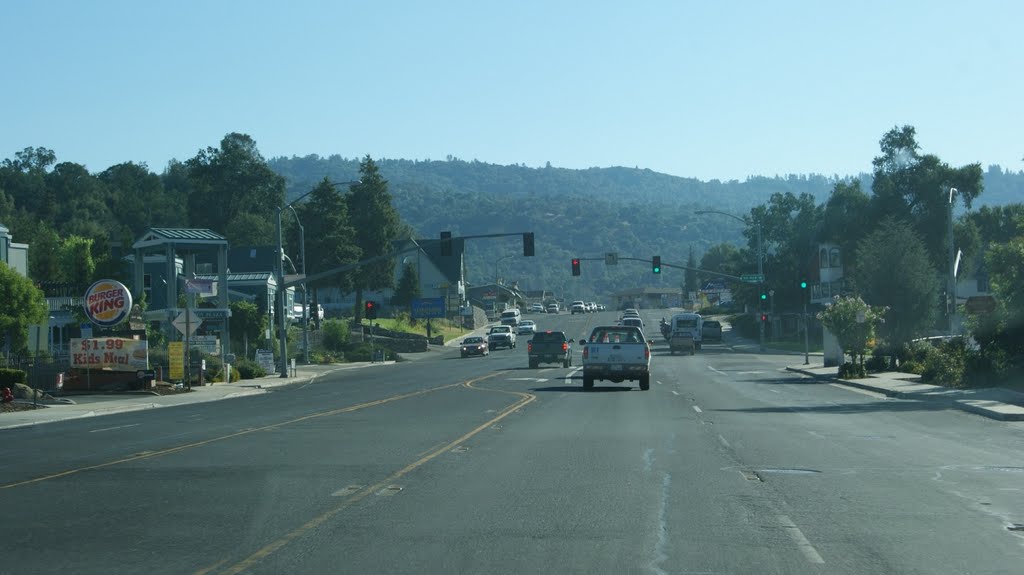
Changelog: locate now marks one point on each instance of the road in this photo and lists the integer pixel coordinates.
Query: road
(480, 465)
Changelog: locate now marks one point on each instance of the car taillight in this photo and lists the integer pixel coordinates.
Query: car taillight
(529, 347)
(647, 352)
(586, 353)
(565, 346)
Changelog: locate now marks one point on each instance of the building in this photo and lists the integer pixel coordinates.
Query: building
(12, 253)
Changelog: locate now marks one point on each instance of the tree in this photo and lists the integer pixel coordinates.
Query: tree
(690, 275)
(790, 230)
(330, 238)
(229, 181)
(841, 319)
(21, 304)
(376, 225)
(915, 188)
(247, 323)
(76, 263)
(408, 287)
(843, 219)
(893, 270)
(723, 258)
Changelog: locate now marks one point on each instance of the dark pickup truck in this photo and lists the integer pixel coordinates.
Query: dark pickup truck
(549, 347)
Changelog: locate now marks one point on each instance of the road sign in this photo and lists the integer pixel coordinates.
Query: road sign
(428, 307)
(611, 259)
(187, 322)
(980, 304)
(176, 359)
(752, 278)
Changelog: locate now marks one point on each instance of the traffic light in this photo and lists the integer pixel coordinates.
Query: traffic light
(446, 243)
(656, 264)
(803, 284)
(575, 266)
(764, 317)
(371, 309)
(528, 244)
(764, 296)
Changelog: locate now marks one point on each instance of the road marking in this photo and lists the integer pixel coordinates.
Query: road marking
(801, 542)
(723, 441)
(659, 383)
(274, 546)
(749, 372)
(170, 450)
(773, 390)
(717, 371)
(674, 392)
(697, 409)
(816, 434)
(113, 428)
(344, 492)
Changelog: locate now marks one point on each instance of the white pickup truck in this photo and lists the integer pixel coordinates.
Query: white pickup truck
(501, 336)
(616, 353)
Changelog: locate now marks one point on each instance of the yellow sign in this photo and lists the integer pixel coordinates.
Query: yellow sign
(176, 354)
(115, 353)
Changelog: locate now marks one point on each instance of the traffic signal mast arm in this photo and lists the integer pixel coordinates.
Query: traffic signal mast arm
(665, 265)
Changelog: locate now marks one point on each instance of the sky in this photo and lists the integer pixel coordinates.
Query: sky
(711, 90)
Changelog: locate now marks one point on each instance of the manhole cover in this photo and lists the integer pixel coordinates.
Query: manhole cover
(789, 471)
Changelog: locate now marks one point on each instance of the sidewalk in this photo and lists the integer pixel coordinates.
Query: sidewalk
(93, 405)
(994, 403)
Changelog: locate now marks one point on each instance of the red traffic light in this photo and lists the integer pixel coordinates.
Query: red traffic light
(575, 266)
(764, 317)
(371, 309)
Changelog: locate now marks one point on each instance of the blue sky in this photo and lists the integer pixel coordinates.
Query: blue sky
(691, 88)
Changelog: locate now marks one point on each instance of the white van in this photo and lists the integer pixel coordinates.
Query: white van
(691, 323)
(511, 317)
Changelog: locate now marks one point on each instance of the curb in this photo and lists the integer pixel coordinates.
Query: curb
(968, 405)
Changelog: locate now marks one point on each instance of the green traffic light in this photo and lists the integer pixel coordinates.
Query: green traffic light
(803, 285)
(764, 296)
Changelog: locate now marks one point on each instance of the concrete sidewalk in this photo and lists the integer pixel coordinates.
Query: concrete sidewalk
(107, 404)
(994, 403)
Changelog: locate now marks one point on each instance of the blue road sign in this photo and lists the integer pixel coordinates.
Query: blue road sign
(428, 307)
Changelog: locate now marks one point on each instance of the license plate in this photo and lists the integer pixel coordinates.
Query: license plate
(616, 367)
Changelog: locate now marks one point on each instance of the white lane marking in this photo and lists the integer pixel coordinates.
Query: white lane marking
(113, 428)
(723, 441)
(659, 383)
(674, 392)
(568, 377)
(697, 409)
(801, 542)
(816, 434)
(537, 379)
(648, 458)
(748, 372)
(717, 371)
(773, 390)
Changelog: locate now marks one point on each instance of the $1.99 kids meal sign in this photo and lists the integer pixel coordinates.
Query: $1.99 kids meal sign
(107, 303)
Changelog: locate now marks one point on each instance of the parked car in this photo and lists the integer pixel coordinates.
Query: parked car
(475, 345)
(711, 330)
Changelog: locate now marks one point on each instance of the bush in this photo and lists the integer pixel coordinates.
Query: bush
(947, 365)
(912, 367)
(219, 375)
(249, 369)
(364, 352)
(11, 377)
(325, 357)
(986, 368)
(335, 334)
(877, 363)
(852, 371)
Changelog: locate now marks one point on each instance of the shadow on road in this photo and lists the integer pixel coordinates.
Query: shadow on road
(579, 389)
(849, 408)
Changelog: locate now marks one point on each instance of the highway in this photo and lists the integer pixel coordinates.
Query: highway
(729, 464)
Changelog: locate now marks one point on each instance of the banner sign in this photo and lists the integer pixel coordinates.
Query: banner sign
(208, 344)
(176, 359)
(107, 303)
(265, 359)
(114, 353)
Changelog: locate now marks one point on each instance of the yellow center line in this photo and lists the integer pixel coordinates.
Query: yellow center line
(170, 450)
(272, 547)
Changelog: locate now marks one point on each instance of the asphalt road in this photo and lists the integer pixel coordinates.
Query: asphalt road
(480, 465)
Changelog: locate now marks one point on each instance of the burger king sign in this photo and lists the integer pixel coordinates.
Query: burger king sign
(107, 303)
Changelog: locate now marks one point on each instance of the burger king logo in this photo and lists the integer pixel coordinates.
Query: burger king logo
(107, 303)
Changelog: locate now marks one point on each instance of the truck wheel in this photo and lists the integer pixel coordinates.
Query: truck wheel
(588, 382)
(533, 364)
(645, 382)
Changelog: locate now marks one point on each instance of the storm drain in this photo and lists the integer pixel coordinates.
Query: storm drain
(789, 471)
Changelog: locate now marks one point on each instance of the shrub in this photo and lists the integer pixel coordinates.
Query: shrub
(249, 369)
(335, 334)
(852, 371)
(219, 376)
(10, 377)
(947, 365)
(364, 352)
(877, 363)
(912, 367)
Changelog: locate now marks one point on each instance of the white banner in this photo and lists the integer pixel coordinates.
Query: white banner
(115, 353)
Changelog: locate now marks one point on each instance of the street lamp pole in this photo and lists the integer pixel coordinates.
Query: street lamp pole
(506, 256)
(952, 268)
(760, 256)
(305, 290)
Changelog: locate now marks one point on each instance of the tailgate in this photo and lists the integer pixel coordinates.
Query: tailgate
(616, 354)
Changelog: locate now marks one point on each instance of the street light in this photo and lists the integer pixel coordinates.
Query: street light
(760, 251)
(496, 266)
(281, 299)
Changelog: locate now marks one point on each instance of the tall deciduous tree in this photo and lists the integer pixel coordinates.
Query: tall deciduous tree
(21, 305)
(376, 224)
(894, 270)
(77, 266)
(790, 229)
(232, 180)
(915, 188)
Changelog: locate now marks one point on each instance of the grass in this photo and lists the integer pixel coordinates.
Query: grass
(437, 327)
